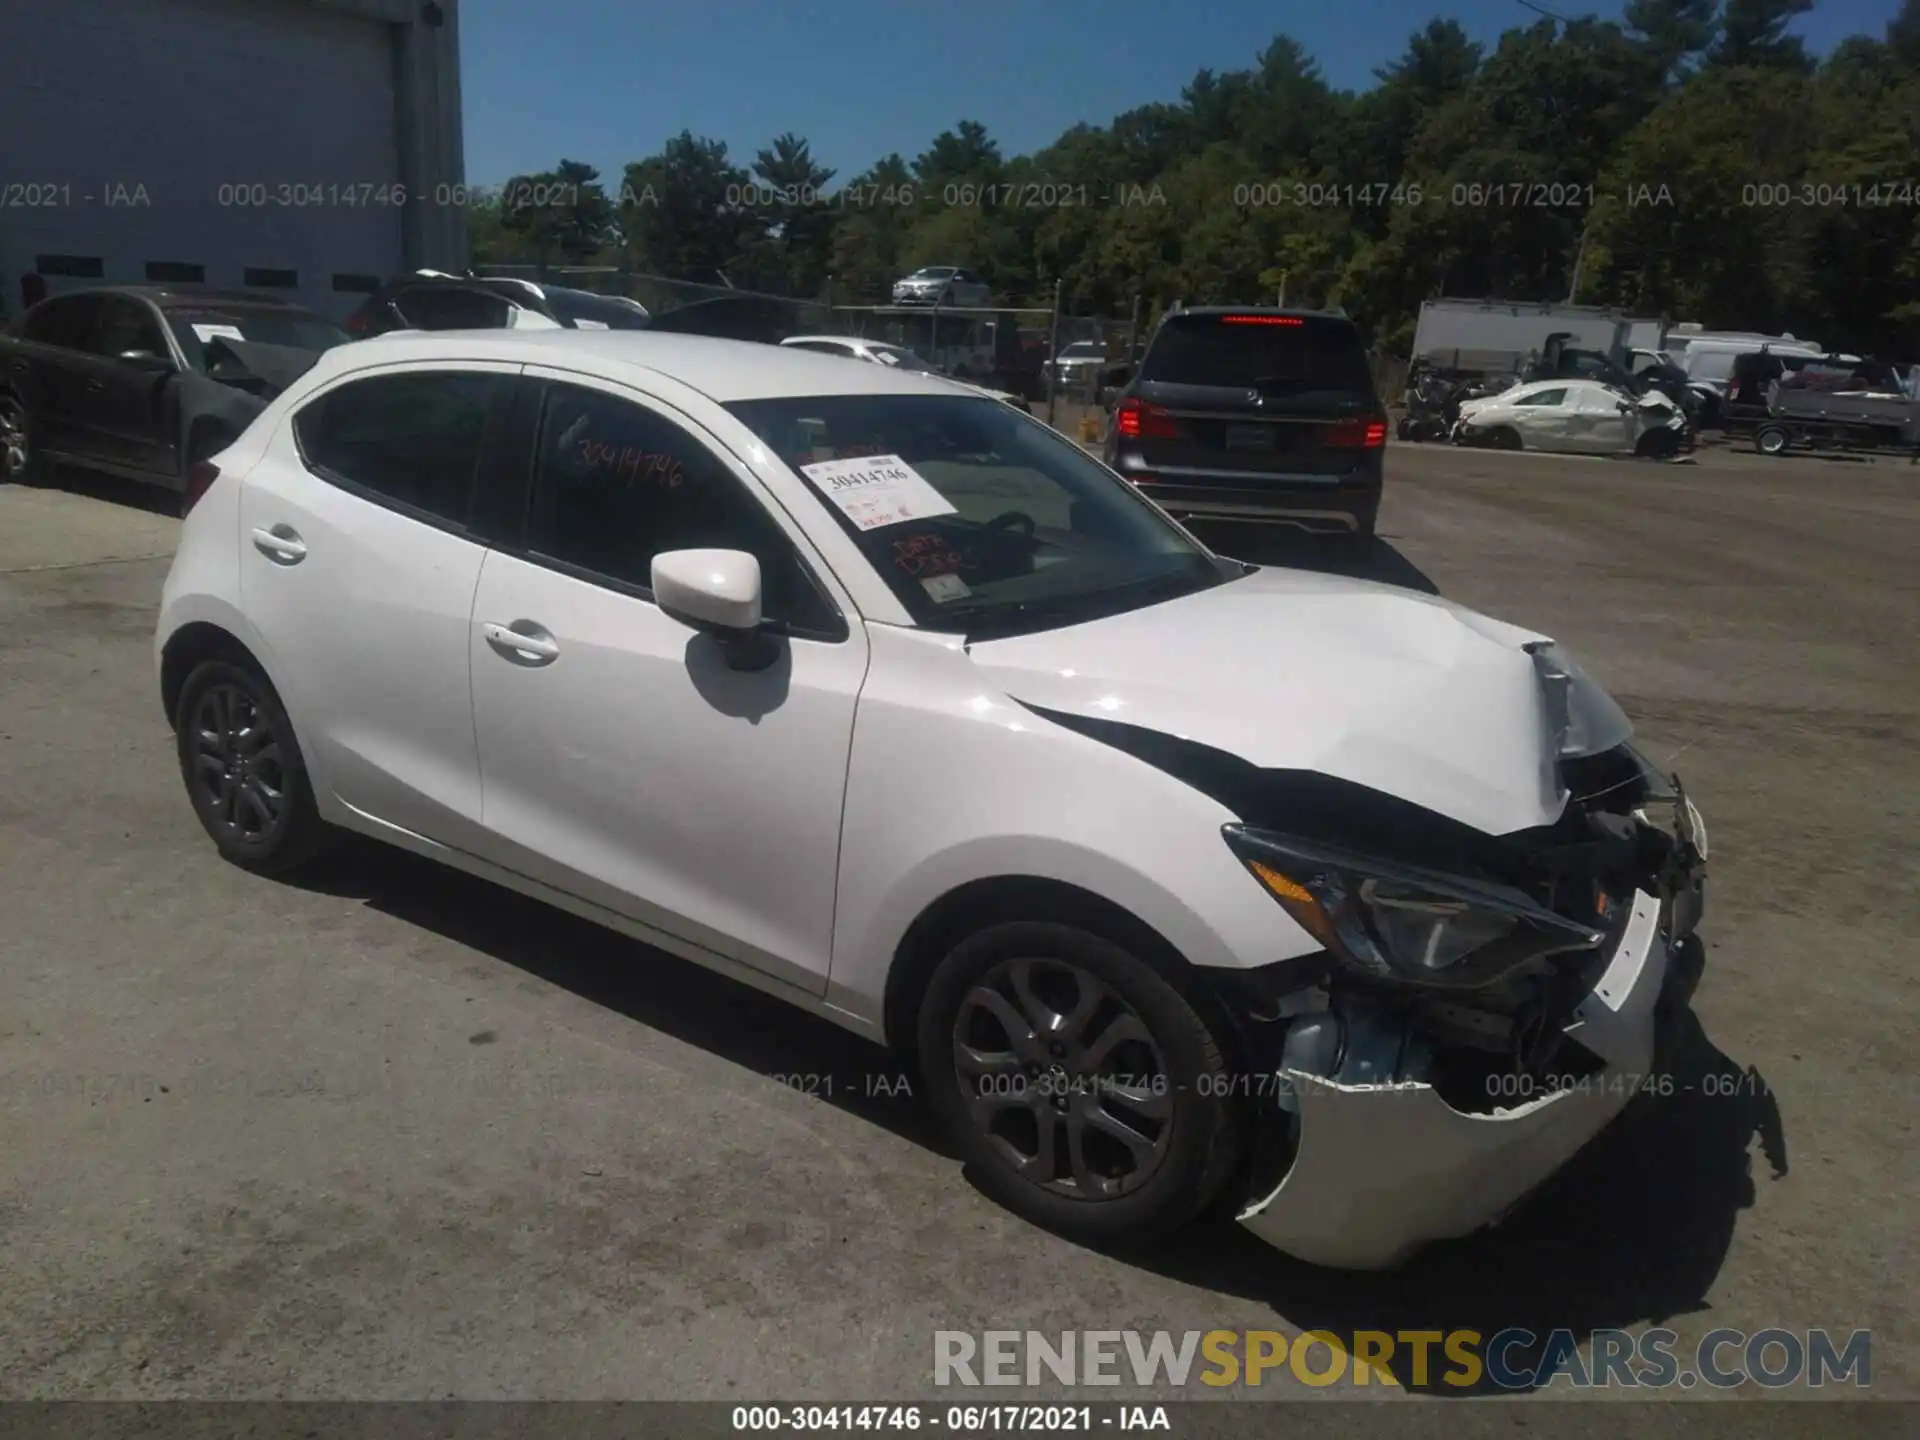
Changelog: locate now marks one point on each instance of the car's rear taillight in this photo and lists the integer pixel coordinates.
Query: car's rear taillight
(1356, 435)
(200, 476)
(1137, 420)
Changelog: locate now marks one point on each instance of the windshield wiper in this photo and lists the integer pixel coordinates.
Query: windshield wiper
(989, 621)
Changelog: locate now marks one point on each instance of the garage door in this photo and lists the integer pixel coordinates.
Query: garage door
(236, 136)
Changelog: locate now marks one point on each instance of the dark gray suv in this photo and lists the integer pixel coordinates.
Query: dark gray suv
(1250, 416)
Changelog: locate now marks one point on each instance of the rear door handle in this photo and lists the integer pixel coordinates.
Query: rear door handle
(281, 544)
(522, 642)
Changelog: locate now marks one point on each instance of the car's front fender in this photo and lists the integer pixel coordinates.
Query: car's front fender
(951, 782)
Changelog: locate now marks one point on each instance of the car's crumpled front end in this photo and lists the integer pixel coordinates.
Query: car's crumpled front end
(1483, 1006)
(1481, 890)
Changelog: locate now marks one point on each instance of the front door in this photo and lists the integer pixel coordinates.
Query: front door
(1600, 426)
(621, 759)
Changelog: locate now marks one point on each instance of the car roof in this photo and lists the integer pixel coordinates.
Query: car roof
(831, 340)
(722, 370)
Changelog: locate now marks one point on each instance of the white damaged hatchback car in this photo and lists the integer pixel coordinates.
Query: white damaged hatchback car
(1187, 883)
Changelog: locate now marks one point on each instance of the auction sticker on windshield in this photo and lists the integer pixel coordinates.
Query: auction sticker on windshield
(876, 490)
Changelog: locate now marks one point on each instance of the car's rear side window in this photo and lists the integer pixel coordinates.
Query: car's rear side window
(413, 439)
(1291, 354)
(453, 307)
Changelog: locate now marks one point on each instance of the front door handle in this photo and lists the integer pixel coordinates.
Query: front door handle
(522, 642)
(281, 544)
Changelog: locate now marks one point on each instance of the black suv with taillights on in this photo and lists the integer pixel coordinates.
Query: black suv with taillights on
(1255, 416)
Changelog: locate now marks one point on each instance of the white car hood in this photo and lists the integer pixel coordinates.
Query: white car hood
(1288, 669)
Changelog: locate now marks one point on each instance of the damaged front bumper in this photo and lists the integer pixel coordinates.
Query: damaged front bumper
(1381, 1169)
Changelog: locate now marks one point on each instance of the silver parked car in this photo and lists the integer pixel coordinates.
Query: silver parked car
(941, 285)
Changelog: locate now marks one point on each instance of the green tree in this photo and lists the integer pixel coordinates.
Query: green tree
(1672, 32)
(682, 214)
(874, 213)
(562, 215)
(964, 153)
(794, 192)
(1753, 33)
(1684, 226)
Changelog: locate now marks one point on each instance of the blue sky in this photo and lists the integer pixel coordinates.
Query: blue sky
(606, 81)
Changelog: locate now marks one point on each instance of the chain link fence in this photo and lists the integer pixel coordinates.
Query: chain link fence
(1012, 348)
(659, 293)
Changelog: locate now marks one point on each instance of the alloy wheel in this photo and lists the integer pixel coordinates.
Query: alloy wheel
(1063, 1078)
(14, 455)
(238, 765)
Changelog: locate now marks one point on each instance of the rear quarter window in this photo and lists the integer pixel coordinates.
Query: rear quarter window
(1311, 355)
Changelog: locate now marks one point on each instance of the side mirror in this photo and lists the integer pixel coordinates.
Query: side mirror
(144, 360)
(718, 592)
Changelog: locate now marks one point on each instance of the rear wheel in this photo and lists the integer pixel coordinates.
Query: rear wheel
(1084, 1091)
(243, 769)
(1772, 440)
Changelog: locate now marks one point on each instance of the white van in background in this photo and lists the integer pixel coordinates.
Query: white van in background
(1707, 357)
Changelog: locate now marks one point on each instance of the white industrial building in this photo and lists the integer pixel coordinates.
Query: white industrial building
(304, 148)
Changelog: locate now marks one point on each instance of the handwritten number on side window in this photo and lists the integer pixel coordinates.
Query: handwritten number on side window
(630, 464)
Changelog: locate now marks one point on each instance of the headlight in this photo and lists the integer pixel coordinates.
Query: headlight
(1582, 718)
(1392, 922)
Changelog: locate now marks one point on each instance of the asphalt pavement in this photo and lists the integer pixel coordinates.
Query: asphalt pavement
(388, 1133)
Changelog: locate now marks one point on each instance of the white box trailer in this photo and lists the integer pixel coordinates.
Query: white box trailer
(1500, 336)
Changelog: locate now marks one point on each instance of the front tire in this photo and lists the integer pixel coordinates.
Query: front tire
(1084, 1091)
(244, 771)
(1772, 440)
(20, 462)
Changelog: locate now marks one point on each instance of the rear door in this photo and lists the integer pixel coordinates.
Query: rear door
(362, 536)
(1237, 399)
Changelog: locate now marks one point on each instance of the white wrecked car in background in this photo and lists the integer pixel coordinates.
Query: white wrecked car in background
(1184, 880)
(1573, 417)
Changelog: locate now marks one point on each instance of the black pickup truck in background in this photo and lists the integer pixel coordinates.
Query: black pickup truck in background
(141, 382)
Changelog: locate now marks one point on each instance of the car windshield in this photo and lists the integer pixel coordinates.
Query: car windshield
(983, 521)
(933, 272)
(1277, 355)
(259, 325)
(900, 359)
(584, 310)
(1084, 350)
